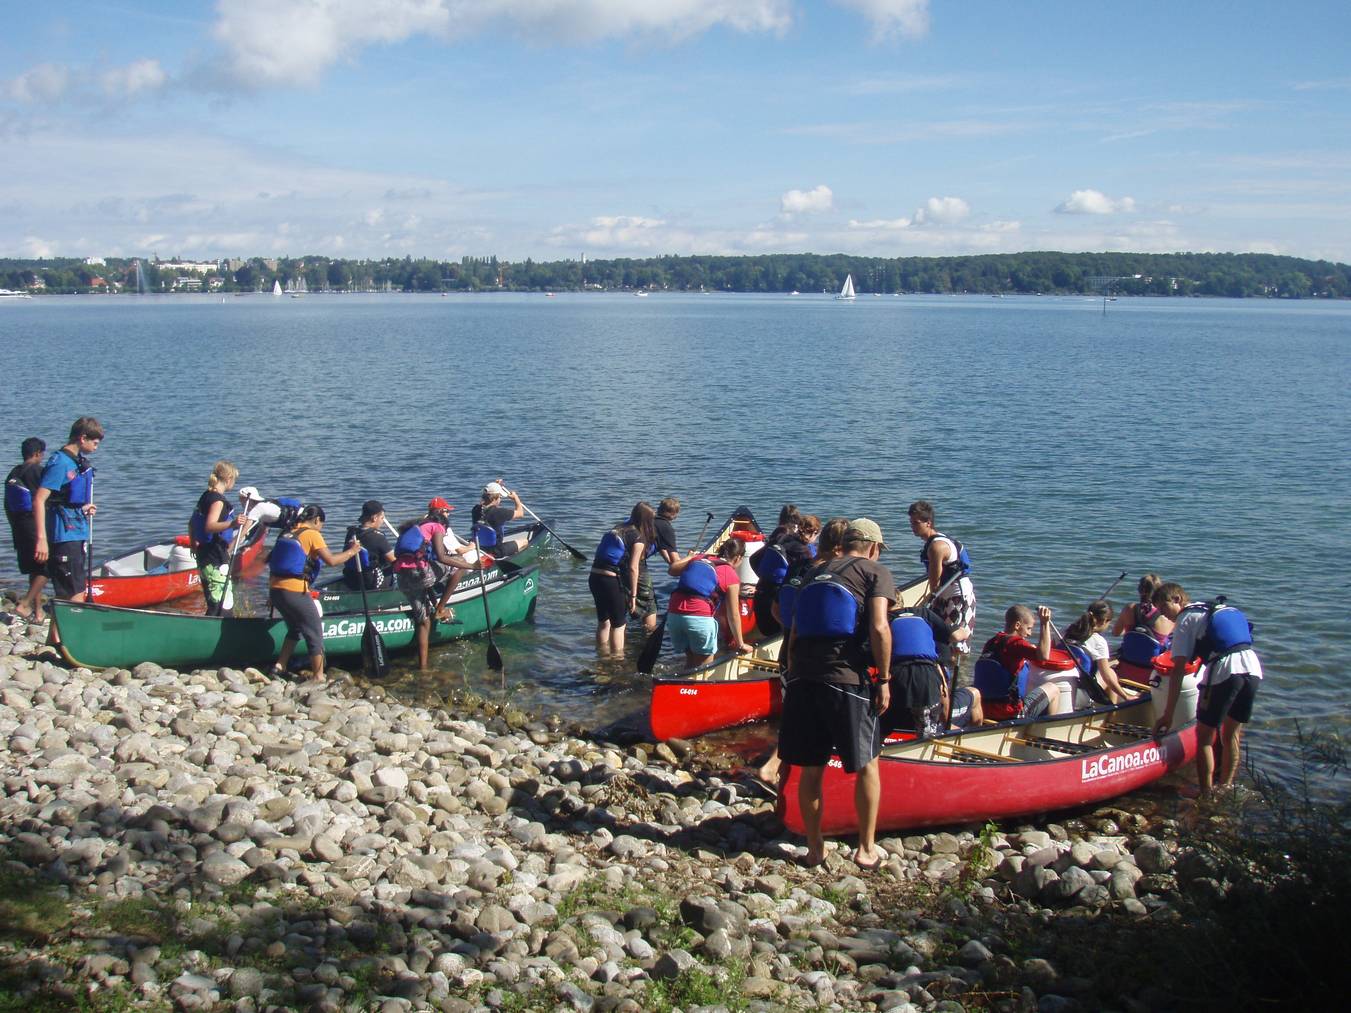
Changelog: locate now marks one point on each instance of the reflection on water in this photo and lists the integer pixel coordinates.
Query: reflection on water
(1202, 439)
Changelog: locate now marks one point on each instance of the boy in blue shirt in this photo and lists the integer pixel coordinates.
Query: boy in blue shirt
(62, 508)
(20, 486)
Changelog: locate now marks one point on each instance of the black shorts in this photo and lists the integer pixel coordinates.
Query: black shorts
(821, 719)
(647, 597)
(25, 543)
(763, 604)
(1232, 698)
(611, 597)
(301, 613)
(66, 569)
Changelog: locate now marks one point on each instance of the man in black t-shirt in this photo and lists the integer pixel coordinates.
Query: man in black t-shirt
(379, 557)
(490, 512)
(20, 485)
(839, 683)
(664, 545)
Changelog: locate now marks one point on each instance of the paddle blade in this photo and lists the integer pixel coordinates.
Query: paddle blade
(652, 648)
(494, 657)
(373, 659)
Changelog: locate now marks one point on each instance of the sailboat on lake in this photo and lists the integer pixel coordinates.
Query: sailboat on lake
(847, 292)
(276, 288)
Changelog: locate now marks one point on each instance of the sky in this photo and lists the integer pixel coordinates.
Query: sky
(556, 128)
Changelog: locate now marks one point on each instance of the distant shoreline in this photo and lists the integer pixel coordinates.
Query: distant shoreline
(1230, 275)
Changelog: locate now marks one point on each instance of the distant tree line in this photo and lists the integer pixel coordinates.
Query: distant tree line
(1239, 275)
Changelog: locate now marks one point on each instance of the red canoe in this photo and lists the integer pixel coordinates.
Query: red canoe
(162, 571)
(1016, 768)
(730, 690)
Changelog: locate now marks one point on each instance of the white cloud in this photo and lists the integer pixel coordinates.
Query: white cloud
(373, 217)
(1329, 84)
(880, 224)
(1095, 202)
(893, 17)
(904, 84)
(36, 247)
(46, 82)
(295, 41)
(805, 202)
(942, 211)
(135, 77)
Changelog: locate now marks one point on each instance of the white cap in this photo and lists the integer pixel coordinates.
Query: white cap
(495, 489)
(250, 493)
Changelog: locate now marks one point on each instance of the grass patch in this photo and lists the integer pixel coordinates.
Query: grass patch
(698, 987)
(31, 909)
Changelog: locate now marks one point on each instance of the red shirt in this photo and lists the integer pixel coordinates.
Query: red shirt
(690, 604)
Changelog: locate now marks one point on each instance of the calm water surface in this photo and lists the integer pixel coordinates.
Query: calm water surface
(1206, 440)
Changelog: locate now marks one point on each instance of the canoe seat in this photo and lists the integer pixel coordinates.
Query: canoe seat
(1057, 745)
(965, 754)
(122, 568)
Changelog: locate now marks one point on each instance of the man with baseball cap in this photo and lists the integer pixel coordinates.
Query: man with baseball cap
(489, 514)
(377, 556)
(839, 674)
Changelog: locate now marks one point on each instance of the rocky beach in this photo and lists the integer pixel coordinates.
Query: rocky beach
(220, 839)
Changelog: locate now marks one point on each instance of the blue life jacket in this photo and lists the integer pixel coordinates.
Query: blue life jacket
(197, 528)
(913, 637)
(994, 681)
(961, 564)
(1139, 647)
(611, 550)
(289, 559)
(485, 535)
(79, 491)
(18, 497)
(352, 570)
(290, 508)
(700, 578)
(771, 564)
(826, 608)
(1083, 661)
(412, 542)
(1227, 631)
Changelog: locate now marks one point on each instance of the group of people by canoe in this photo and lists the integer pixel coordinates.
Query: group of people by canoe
(49, 502)
(858, 667)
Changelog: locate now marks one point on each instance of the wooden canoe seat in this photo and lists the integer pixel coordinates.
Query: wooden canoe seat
(1144, 687)
(976, 755)
(1057, 745)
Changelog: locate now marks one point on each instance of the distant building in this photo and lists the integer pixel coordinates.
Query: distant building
(93, 262)
(187, 283)
(201, 266)
(270, 263)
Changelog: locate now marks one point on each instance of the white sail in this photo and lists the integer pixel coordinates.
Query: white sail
(276, 287)
(847, 292)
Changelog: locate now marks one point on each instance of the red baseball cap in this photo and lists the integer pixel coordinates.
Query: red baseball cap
(438, 504)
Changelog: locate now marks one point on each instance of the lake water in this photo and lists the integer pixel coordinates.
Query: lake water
(1206, 440)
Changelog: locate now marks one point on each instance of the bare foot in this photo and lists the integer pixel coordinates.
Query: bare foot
(769, 773)
(813, 859)
(868, 861)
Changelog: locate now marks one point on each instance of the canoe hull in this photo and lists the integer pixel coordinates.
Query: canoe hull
(920, 792)
(97, 636)
(140, 590)
(730, 690)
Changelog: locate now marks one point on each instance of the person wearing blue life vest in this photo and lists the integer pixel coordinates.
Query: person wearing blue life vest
(421, 560)
(490, 515)
(943, 558)
(919, 693)
(376, 558)
(212, 532)
(706, 600)
(62, 509)
(786, 552)
(23, 481)
(614, 576)
(1085, 640)
(839, 684)
(1222, 638)
(296, 557)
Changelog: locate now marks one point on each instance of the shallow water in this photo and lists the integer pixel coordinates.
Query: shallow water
(1206, 440)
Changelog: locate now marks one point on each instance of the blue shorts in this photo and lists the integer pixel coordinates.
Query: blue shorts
(696, 634)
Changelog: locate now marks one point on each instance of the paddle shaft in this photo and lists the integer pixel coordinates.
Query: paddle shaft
(648, 659)
(89, 550)
(375, 659)
(551, 531)
(494, 655)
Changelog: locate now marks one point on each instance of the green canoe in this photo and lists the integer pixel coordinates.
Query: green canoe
(101, 636)
(527, 543)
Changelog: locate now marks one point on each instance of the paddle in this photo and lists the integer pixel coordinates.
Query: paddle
(89, 550)
(373, 659)
(575, 553)
(648, 659)
(494, 655)
(230, 563)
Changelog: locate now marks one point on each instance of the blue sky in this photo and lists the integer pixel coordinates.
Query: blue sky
(552, 128)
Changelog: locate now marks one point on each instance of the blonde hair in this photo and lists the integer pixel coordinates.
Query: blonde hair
(223, 476)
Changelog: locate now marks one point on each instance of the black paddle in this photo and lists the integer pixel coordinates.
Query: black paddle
(494, 655)
(575, 553)
(648, 659)
(373, 659)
